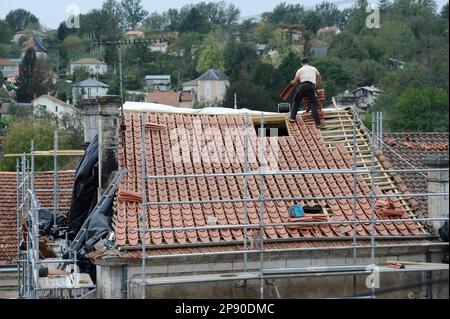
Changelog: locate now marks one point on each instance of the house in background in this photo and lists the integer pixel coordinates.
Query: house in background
(212, 86)
(88, 88)
(366, 96)
(93, 66)
(52, 105)
(329, 30)
(134, 35)
(18, 36)
(36, 45)
(191, 86)
(12, 77)
(158, 83)
(294, 33)
(8, 66)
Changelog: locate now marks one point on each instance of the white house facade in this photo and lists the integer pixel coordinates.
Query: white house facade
(52, 105)
(89, 88)
(92, 66)
(212, 86)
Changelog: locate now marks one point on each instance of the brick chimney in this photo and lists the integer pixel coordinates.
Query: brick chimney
(101, 117)
(437, 183)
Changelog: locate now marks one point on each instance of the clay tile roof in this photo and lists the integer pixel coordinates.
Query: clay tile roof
(134, 32)
(8, 207)
(166, 98)
(88, 61)
(414, 148)
(304, 149)
(8, 62)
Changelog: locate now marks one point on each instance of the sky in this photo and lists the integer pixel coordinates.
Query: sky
(52, 13)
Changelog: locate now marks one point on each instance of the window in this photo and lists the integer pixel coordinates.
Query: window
(56, 108)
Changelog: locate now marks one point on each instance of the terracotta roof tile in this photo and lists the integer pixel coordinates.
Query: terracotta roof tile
(414, 147)
(201, 140)
(8, 207)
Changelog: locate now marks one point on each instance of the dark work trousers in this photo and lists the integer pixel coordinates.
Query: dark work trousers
(306, 89)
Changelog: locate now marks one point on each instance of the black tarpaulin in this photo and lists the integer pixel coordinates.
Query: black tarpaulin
(84, 196)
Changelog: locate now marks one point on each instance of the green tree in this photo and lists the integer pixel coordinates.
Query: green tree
(240, 59)
(358, 16)
(212, 55)
(74, 46)
(133, 13)
(5, 32)
(347, 46)
(289, 66)
(423, 110)
(285, 14)
(270, 78)
(335, 77)
(369, 73)
(184, 49)
(328, 13)
(19, 19)
(35, 78)
(250, 96)
(41, 131)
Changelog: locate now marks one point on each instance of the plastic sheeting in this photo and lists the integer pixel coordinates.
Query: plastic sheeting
(84, 196)
(84, 200)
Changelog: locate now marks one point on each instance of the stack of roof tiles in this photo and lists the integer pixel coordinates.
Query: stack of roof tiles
(414, 148)
(304, 150)
(8, 207)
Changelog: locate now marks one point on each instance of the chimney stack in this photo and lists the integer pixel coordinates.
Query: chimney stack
(101, 117)
(437, 183)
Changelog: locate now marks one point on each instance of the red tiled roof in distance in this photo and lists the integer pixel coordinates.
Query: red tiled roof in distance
(165, 98)
(88, 61)
(201, 141)
(414, 148)
(8, 62)
(8, 207)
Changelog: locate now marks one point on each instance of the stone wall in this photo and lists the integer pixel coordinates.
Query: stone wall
(329, 286)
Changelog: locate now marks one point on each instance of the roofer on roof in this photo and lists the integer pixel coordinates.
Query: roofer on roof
(308, 76)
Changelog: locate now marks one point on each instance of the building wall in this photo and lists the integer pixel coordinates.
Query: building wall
(8, 69)
(298, 287)
(8, 283)
(91, 68)
(52, 107)
(212, 91)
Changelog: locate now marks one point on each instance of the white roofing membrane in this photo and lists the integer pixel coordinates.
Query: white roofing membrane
(161, 108)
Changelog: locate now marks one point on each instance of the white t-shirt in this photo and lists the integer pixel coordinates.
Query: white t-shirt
(307, 73)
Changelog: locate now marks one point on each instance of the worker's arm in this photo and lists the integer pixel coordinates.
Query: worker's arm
(318, 80)
(296, 80)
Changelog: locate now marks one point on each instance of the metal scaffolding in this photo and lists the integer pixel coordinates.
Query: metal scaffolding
(30, 262)
(375, 135)
(33, 269)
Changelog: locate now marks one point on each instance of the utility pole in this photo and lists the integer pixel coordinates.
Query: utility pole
(235, 101)
(120, 72)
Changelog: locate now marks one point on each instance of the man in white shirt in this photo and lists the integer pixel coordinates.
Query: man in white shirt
(307, 75)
